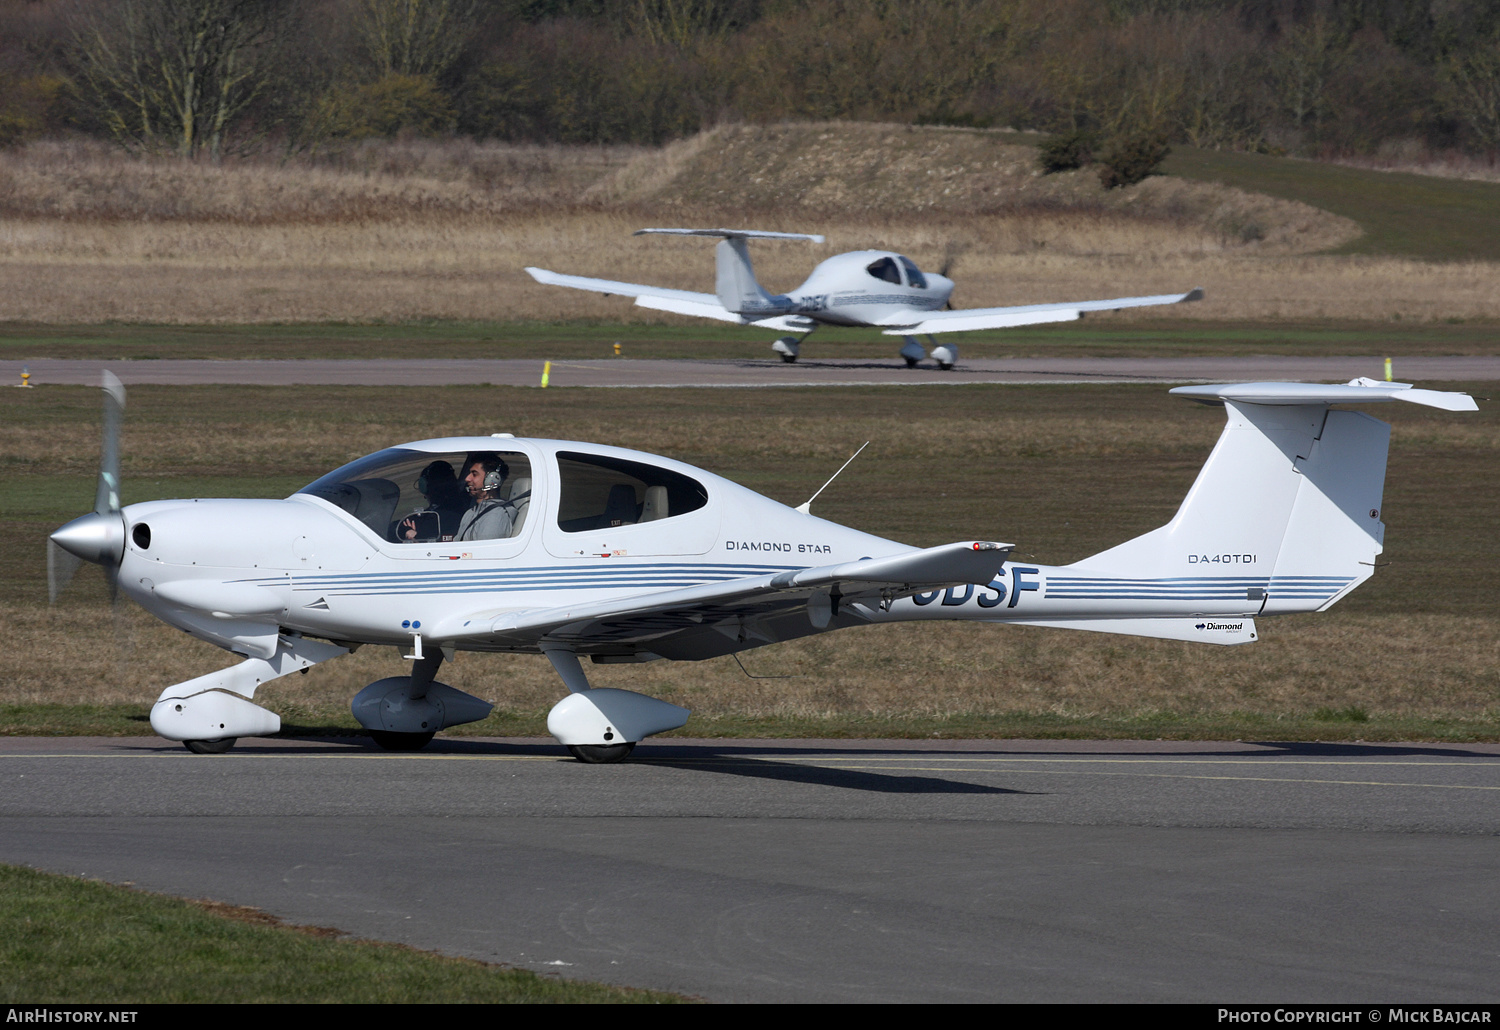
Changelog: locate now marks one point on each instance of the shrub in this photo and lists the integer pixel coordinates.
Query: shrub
(1129, 159)
(1064, 153)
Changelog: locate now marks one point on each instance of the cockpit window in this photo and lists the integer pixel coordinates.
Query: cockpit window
(603, 493)
(914, 275)
(407, 496)
(885, 269)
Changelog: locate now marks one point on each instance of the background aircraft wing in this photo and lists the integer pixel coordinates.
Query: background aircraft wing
(610, 286)
(915, 322)
(680, 302)
(718, 618)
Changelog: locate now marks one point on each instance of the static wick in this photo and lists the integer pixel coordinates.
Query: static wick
(546, 374)
(1387, 369)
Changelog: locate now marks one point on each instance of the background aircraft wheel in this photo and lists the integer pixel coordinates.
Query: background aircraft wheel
(210, 747)
(401, 741)
(600, 754)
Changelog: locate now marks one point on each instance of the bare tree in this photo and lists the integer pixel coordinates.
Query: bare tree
(173, 74)
(415, 37)
(1474, 84)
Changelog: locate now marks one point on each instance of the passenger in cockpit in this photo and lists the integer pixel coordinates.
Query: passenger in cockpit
(490, 517)
(445, 498)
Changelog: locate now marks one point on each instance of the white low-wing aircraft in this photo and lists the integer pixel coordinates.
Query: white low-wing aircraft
(875, 288)
(613, 555)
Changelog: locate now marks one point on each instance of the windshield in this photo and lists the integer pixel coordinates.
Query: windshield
(407, 496)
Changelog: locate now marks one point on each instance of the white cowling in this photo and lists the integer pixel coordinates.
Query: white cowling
(606, 715)
(212, 715)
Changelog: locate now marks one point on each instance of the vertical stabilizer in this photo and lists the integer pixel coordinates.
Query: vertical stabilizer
(1286, 508)
(735, 284)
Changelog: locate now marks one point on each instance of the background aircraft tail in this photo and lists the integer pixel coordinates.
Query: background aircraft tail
(735, 283)
(1287, 506)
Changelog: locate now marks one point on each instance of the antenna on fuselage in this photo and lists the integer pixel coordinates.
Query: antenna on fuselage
(806, 506)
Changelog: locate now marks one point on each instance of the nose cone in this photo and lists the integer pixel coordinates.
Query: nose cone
(939, 284)
(94, 537)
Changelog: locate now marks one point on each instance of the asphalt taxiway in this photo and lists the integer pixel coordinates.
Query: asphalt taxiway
(610, 372)
(826, 870)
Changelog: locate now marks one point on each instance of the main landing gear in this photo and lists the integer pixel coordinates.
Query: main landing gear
(789, 347)
(946, 354)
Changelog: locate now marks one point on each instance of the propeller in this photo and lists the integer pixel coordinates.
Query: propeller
(98, 537)
(950, 258)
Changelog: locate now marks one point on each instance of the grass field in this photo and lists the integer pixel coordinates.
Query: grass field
(1061, 471)
(580, 340)
(78, 942)
(443, 233)
(1400, 214)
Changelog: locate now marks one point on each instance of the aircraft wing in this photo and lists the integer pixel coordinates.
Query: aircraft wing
(679, 302)
(718, 618)
(610, 286)
(908, 323)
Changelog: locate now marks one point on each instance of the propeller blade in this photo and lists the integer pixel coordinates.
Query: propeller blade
(107, 496)
(60, 568)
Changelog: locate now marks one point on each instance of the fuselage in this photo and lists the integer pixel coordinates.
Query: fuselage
(593, 523)
(868, 287)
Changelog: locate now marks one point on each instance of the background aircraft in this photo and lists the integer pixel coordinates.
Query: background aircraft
(621, 557)
(875, 288)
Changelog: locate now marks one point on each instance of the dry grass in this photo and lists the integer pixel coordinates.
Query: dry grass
(404, 231)
(944, 672)
(463, 270)
(1061, 471)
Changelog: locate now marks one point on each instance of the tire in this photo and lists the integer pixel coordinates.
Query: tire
(600, 754)
(210, 747)
(401, 741)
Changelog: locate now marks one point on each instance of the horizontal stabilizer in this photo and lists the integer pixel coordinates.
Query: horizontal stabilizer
(732, 234)
(1357, 391)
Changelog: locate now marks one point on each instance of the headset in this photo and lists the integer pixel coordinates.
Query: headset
(493, 478)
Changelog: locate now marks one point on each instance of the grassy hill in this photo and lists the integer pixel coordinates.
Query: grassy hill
(1400, 214)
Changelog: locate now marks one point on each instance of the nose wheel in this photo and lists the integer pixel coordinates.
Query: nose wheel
(600, 754)
(210, 747)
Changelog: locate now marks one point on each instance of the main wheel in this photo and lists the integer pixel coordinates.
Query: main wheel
(210, 747)
(789, 358)
(401, 741)
(600, 754)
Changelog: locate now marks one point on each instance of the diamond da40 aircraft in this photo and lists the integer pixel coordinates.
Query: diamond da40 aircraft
(587, 552)
(875, 288)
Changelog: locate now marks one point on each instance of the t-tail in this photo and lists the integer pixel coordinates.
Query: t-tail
(735, 282)
(1284, 517)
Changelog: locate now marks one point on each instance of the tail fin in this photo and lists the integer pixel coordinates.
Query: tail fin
(735, 285)
(735, 282)
(1287, 505)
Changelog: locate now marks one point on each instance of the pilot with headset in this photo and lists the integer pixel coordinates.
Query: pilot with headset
(490, 518)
